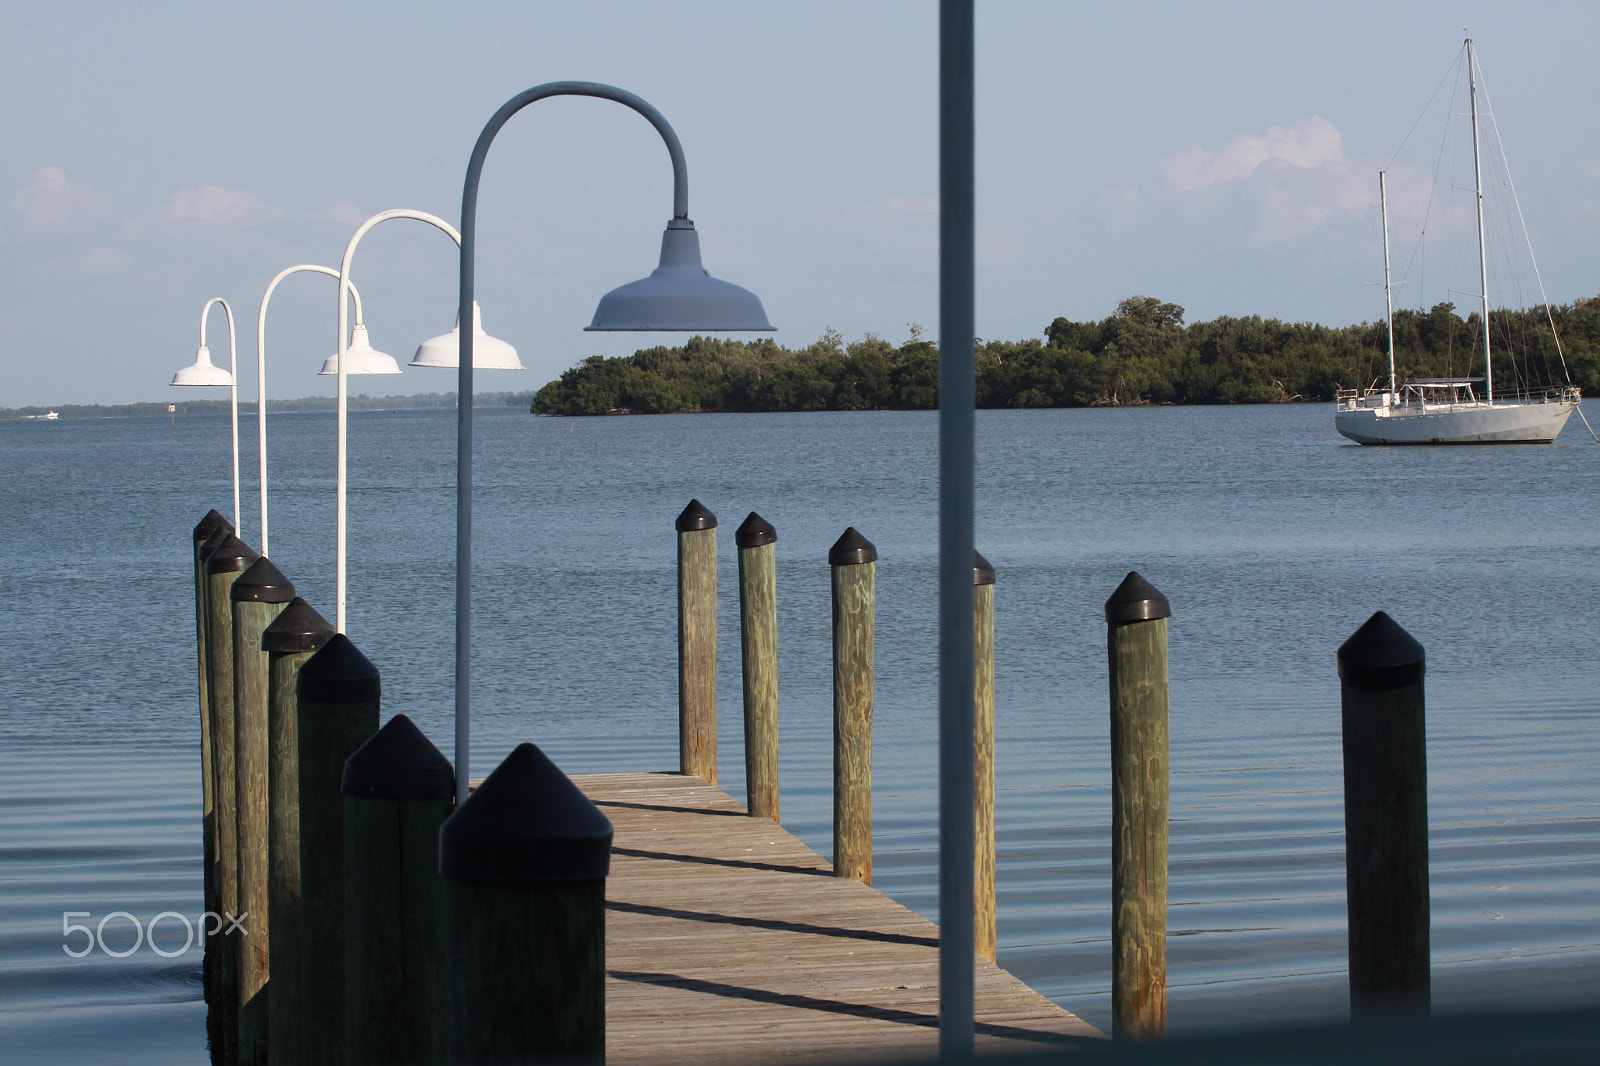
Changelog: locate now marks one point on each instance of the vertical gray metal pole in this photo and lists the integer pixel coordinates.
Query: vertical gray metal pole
(758, 644)
(1136, 650)
(697, 641)
(524, 862)
(956, 449)
(983, 929)
(289, 641)
(339, 692)
(398, 790)
(853, 561)
(259, 596)
(1381, 671)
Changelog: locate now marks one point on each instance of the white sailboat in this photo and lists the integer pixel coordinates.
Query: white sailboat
(1449, 410)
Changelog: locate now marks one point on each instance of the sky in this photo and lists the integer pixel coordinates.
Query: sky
(1220, 155)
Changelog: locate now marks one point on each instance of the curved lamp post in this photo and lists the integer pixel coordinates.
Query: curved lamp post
(358, 357)
(678, 295)
(261, 373)
(203, 372)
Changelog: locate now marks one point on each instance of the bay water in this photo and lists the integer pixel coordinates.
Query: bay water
(1273, 539)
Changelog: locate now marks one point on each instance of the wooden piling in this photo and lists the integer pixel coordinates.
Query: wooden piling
(697, 641)
(1136, 647)
(203, 546)
(398, 790)
(758, 643)
(259, 595)
(289, 641)
(853, 561)
(1381, 670)
(983, 757)
(525, 860)
(227, 561)
(207, 535)
(337, 711)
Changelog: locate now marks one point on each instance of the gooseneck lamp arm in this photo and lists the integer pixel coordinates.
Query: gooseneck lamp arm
(469, 213)
(344, 323)
(261, 375)
(233, 390)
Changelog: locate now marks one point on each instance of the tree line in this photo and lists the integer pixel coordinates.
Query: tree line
(1143, 353)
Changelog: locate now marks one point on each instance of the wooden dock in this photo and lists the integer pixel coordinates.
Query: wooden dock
(728, 940)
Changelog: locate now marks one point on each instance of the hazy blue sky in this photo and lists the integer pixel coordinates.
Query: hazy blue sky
(1220, 155)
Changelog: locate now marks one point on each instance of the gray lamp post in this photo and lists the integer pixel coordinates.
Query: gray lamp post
(678, 295)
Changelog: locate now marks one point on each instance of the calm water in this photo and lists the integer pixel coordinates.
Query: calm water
(1272, 538)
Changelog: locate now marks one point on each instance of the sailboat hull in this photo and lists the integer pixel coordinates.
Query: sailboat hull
(1476, 423)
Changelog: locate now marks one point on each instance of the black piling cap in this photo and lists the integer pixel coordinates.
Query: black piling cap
(755, 531)
(339, 673)
(852, 548)
(208, 525)
(214, 538)
(261, 583)
(982, 570)
(297, 628)
(230, 556)
(696, 516)
(399, 763)
(1381, 655)
(1136, 600)
(526, 822)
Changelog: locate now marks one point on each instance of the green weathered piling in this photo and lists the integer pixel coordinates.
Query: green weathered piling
(853, 561)
(1136, 647)
(398, 790)
(338, 694)
(983, 757)
(1381, 671)
(525, 860)
(209, 525)
(758, 642)
(697, 642)
(289, 641)
(207, 535)
(259, 595)
(230, 558)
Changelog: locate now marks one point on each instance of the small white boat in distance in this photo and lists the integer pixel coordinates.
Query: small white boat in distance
(1448, 411)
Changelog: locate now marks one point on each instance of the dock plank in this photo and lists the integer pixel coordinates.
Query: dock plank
(728, 940)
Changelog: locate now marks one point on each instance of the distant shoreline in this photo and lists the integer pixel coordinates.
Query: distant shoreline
(190, 408)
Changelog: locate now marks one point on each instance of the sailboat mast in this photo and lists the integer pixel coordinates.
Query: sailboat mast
(1388, 293)
(1483, 255)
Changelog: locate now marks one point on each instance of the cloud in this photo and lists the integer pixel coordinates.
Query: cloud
(1312, 143)
(897, 207)
(217, 205)
(52, 201)
(1295, 179)
(346, 213)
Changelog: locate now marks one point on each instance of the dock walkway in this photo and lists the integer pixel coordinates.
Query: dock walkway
(728, 940)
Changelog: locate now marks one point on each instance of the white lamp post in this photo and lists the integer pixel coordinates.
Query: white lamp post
(678, 295)
(261, 373)
(358, 357)
(203, 372)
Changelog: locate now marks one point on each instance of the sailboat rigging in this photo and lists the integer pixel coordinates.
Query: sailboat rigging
(1448, 410)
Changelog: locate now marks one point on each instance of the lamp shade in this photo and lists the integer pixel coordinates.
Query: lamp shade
(679, 294)
(488, 353)
(202, 371)
(364, 358)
